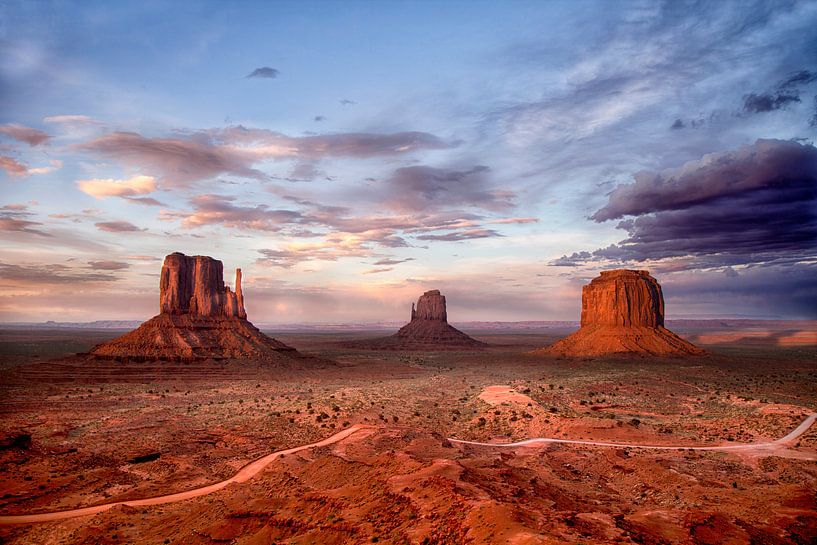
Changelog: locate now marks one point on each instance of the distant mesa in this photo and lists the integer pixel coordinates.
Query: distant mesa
(200, 319)
(428, 329)
(622, 312)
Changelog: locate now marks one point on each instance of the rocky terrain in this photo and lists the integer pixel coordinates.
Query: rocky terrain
(428, 329)
(200, 319)
(399, 479)
(622, 312)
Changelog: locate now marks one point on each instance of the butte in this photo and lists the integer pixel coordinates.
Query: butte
(622, 313)
(428, 330)
(200, 319)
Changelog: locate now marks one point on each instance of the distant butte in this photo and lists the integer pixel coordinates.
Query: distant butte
(622, 312)
(200, 318)
(428, 329)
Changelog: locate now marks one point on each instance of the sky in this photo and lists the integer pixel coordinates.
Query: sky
(349, 156)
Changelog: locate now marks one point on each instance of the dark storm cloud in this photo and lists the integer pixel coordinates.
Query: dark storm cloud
(767, 164)
(263, 72)
(419, 188)
(754, 205)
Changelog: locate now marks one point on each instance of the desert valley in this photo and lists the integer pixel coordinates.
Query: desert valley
(650, 442)
(449, 272)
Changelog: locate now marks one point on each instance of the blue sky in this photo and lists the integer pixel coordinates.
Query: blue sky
(503, 152)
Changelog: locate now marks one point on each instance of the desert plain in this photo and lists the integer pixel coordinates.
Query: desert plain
(79, 433)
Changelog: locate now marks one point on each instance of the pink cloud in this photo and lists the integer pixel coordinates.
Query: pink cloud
(21, 133)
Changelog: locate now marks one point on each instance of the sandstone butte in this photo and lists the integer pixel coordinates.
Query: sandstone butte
(428, 329)
(200, 318)
(622, 312)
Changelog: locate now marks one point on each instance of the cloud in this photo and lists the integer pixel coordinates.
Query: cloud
(330, 249)
(763, 165)
(307, 171)
(754, 205)
(390, 261)
(462, 235)
(420, 188)
(12, 167)
(264, 143)
(146, 201)
(71, 120)
(180, 161)
(20, 225)
(117, 226)
(376, 271)
(221, 210)
(263, 72)
(235, 150)
(767, 102)
(108, 187)
(108, 265)
(511, 221)
(21, 133)
(786, 92)
(48, 275)
(13, 219)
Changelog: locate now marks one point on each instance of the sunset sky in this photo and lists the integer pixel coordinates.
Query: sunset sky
(351, 155)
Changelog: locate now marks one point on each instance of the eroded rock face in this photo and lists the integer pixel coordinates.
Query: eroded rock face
(200, 318)
(622, 312)
(623, 298)
(428, 330)
(430, 306)
(195, 285)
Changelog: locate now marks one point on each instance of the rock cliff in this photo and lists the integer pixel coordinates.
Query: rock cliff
(195, 285)
(200, 318)
(428, 330)
(622, 312)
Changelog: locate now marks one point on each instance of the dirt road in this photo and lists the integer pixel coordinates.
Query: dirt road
(244, 474)
(759, 448)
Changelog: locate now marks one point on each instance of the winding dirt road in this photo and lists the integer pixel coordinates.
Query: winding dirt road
(244, 474)
(762, 448)
(253, 468)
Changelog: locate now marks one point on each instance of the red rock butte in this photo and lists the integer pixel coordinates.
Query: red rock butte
(428, 329)
(622, 312)
(200, 318)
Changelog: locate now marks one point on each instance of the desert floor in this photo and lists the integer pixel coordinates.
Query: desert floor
(109, 432)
